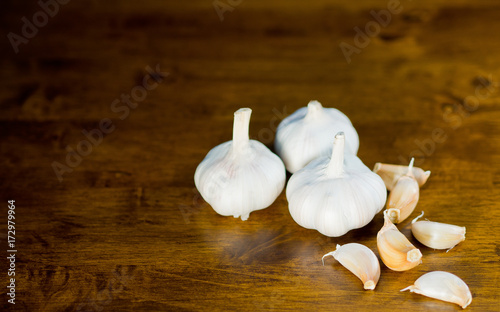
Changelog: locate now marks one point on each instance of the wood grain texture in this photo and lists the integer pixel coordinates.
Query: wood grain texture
(127, 231)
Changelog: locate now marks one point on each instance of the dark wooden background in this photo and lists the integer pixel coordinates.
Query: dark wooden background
(127, 231)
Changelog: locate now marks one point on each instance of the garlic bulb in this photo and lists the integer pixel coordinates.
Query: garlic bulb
(403, 197)
(306, 135)
(335, 194)
(437, 235)
(360, 260)
(443, 286)
(391, 174)
(242, 175)
(395, 250)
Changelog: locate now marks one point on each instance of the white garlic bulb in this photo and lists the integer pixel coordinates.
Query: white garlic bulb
(242, 175)
(404, 197)
(395, 250)
(437, 235)
(306, 135)
(391, 174)
(360, 260)
(442, 286)
(335, 194)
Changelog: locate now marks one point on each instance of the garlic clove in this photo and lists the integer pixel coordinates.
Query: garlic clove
(242, 175)
(404, 197)
(360, 260)
(306, 135)
(443, 286)
(437, 235)
(395, 250)
(391, 174)
(335, 194)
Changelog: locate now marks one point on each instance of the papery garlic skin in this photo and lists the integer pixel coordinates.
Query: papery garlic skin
(306, 135)
(392, 173)
(404, 197)
(335, 194)
(395, 250)
(437, 235)
(443, 286)
(360, 260)
(242, 175)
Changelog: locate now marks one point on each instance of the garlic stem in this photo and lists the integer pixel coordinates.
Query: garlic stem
(241, 128)
(335, 167)
(314, 109)
(410, 168)
(420, 216)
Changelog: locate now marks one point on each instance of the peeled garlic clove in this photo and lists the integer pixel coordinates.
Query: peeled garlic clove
(242, 175)
(404, 197)
(335, 194)
(306, 135)
(443, 286)
(395, 250)
(360, 260)
(391, 174)
(437, 235)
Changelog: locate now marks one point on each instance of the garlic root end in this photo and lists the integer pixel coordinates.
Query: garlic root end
(244, 217)
(414, 255)
(394, 214)
(369, 285)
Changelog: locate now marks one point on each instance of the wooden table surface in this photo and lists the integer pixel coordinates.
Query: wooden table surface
(122, 228)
